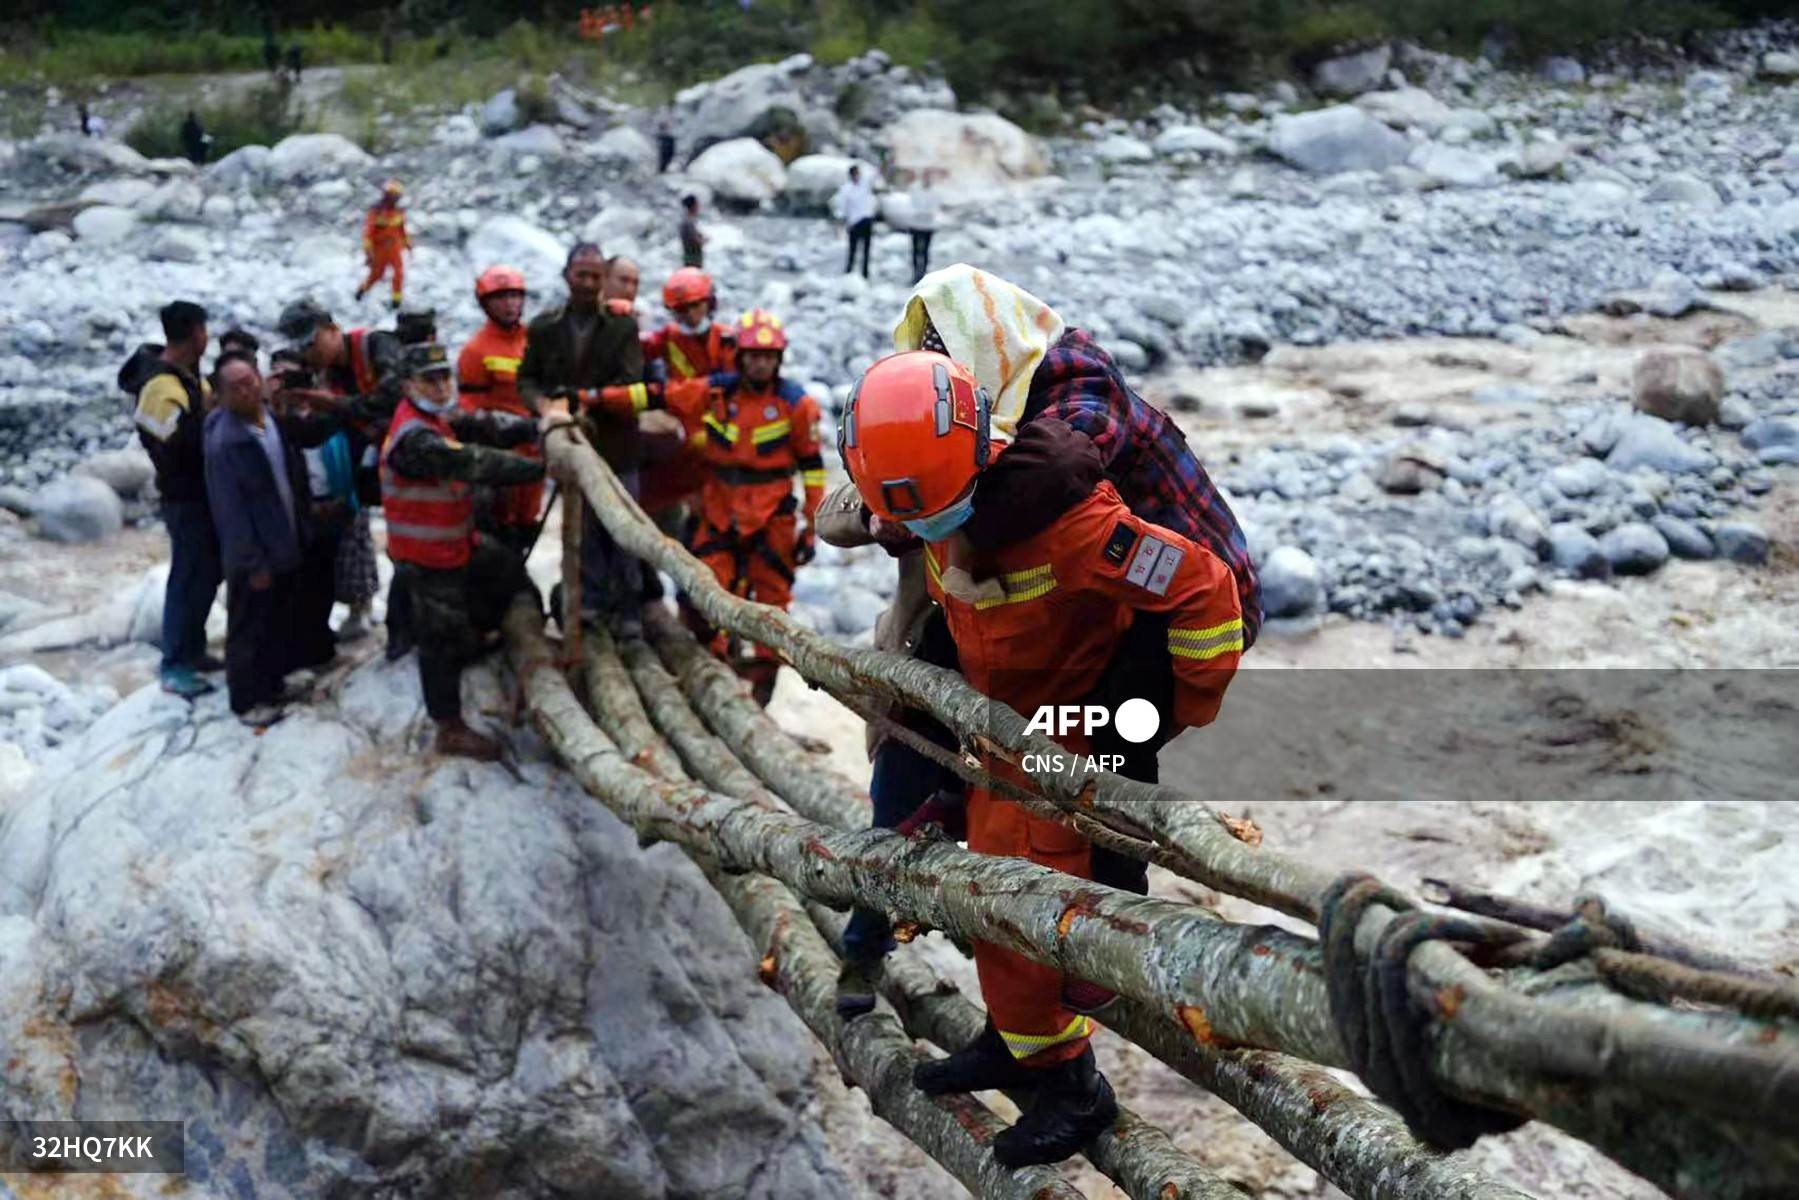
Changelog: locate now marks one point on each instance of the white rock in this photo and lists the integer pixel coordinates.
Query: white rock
(812, 179)
(331, 189)
(122, 193)
(1780, 64)
(219, 210)
(1685, 189)
(626, 225)
(72, 152)
(457, 129)
(307, 156)
(77, 509)
(104, 225)
(742, 171)
(1292, 582)
(625, 146)
(1407, 108)
(1194, 139)
(1474, 122)
(742, 102)
(1562, 70)
(174, 243)
(243, 167)
(1353, 74)
(127, 472)
(1121, 149)
(540, 140)
(516, 242)
(501, 112)
(1540, 160)
(1332, 140)
(1453, 166)
(1242, 185)
(975, 151)
(175, 200)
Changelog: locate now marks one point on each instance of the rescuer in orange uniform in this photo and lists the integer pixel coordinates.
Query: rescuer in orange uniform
(760, 430)
(487, 378)
(385, 241)
(692, 346)
(1035, 623)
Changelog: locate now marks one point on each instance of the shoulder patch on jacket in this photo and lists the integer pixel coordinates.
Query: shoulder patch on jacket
(1119, 544)
(160, 406)
(790, 391)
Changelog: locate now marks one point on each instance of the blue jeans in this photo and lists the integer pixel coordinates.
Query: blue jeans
(903, 779)
(194, 578)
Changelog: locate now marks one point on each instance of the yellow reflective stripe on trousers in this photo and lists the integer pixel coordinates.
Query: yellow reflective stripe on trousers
(813, 478)
(1023, 1045)
(1209, 642)
(771, 431)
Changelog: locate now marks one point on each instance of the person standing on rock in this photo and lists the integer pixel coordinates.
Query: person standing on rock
(487, 377)
(923, 223)
(1035, 619)
(572, 351)
(460, 583)
(665, 143)
(194, 139)
(855, 206)
(172, 400)
(385, 242)
(256, 484)
(693, 239)
(760, 432)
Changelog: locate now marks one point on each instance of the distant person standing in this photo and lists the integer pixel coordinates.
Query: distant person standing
(294, 61)
(693, 240)
(87, 120)
(194, 139)
(924, 224)
(385, 242)
(271, 53)
(665, 143)
(855, 206)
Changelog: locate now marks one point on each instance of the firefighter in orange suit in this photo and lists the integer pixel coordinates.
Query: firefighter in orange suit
(385, 241)
(760, 431)
(487, 378)
(691, 346)
(1035, 623)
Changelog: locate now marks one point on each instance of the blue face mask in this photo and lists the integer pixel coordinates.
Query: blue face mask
(938, 527)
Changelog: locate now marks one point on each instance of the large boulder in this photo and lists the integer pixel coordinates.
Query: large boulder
(127, 472)
(312, 156)
(1678, 385)
(541, 140)
(75, 154)
(121, 193)
(1682, 188)
(1452, 166)
(1343, 138)
(1574, 550)
(974, 151)
(1292, 583)
(812, 179)
(501, 113)
(173, 200)
(1634, 548)
(750, 101)
(1407, 108)
(1353, 74)
(1122, 149)
(175, 243)
(624, 224)
(625, 147)
(1195, 140)
(1560, 69)
(77, 508)
(1780, 64)
(534, 250)
(103, 224)
(1651, 443)
(356, 968)
(741, 171)
(243, 167)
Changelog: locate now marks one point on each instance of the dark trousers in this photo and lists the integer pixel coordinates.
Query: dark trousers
(921, 253)
(861, 234)
(400, 630)
(451, 610)
(1141, 667)
(315, 592)
(194, 578)
(665, 153)
(611, 579)
(259, 639)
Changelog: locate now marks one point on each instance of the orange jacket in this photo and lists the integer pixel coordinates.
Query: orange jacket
(384, 231)
(487, 369)
(688, 357)
(1055, 605)
(754, 442)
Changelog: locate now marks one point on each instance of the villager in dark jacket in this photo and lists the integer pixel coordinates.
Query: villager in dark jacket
(171, 402)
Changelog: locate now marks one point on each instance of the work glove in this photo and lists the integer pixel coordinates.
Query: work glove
(806, 548)
(945, 809)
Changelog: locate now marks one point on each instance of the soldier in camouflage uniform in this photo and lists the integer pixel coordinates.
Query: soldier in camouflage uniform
(459, 583)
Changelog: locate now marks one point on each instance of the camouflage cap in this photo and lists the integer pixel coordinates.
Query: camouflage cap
(301, 319)
(427, 358)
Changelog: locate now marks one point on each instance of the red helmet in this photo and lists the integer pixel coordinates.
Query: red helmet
(915, 434)
(687, 286)
(499, 279)
(760, 329)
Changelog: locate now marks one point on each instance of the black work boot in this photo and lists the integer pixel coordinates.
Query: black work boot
(982, 1065)
(1074, 1104)
(856, 985)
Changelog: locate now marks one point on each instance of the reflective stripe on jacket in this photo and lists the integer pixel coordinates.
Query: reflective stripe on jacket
(429, 521)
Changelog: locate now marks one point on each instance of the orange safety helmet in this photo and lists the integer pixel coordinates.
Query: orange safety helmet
(760, 329)
(499, 279)
(689, 285)
(393, 187)
(914, 434)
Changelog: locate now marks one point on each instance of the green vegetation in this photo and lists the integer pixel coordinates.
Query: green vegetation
(262, 118)
(56, 56)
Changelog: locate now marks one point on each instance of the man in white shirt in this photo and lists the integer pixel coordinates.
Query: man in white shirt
(855, 204)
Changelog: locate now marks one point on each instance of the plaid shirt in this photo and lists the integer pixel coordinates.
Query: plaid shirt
(1145, 455)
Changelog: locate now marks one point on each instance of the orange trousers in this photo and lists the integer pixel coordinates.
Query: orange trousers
(759, 567)
(1024, 998)
(380, 263)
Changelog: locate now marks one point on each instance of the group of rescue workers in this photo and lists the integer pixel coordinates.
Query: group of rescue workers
(1056, 542)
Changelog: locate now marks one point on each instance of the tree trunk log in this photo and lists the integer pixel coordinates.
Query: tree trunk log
(573, 506)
